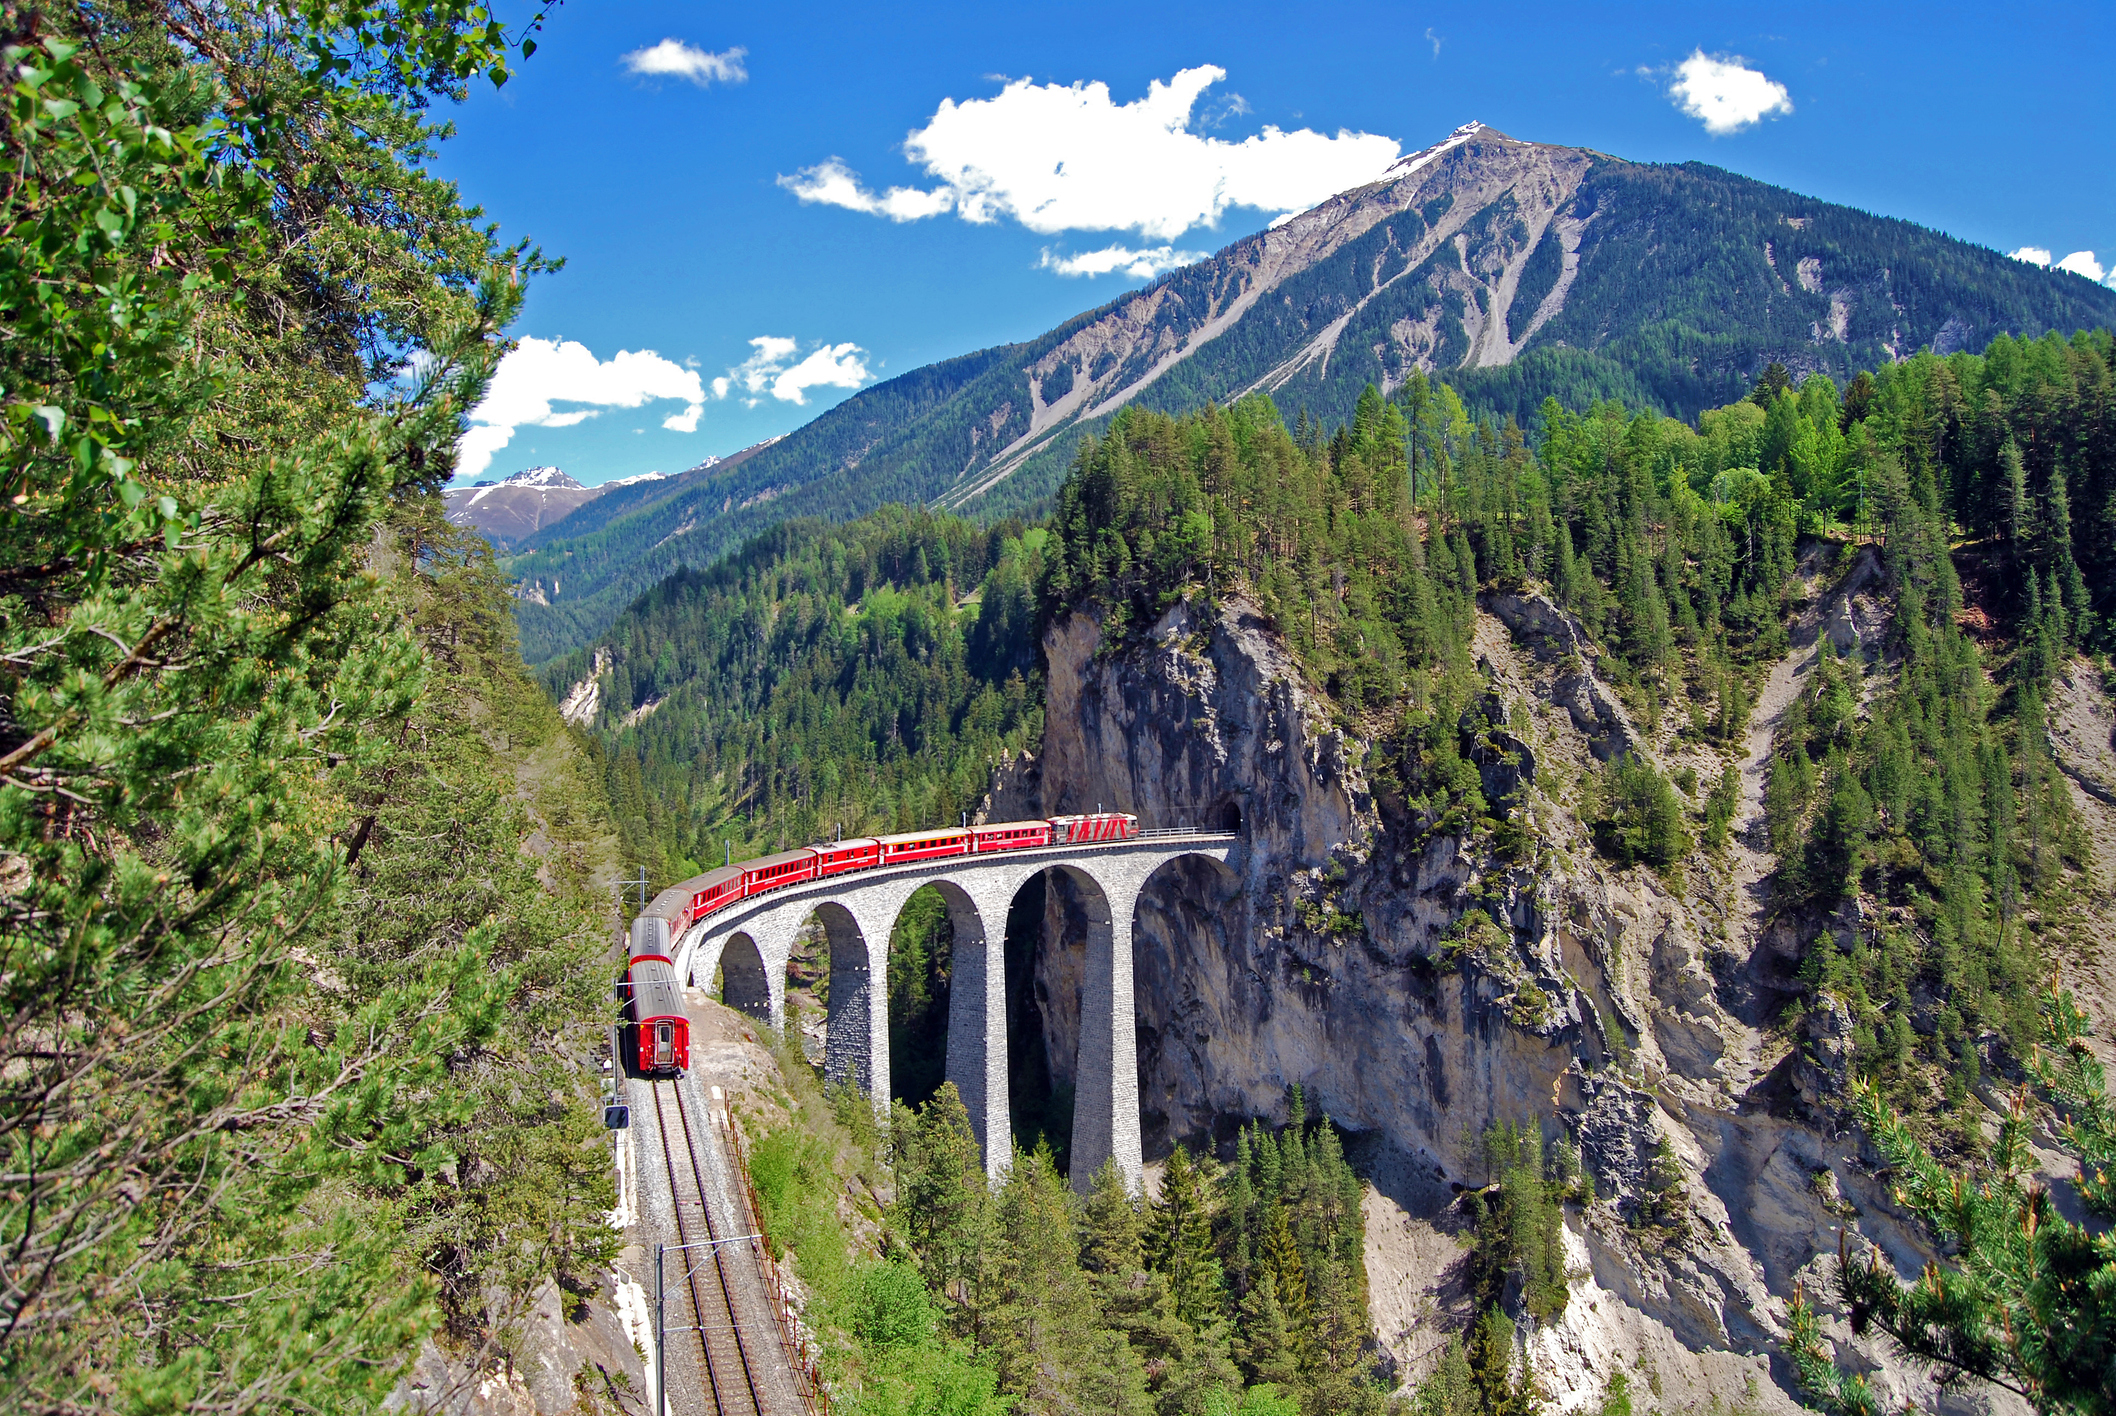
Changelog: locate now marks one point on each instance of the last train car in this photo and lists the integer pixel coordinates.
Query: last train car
(657, 1034)
(1095, 827)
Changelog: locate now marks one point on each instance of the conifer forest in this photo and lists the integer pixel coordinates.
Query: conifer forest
(312, 900)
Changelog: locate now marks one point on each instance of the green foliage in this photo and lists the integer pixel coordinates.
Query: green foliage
(1662, 1199)
(822, 680)
(1616, 1399)
(277, 1098)
(1642, 819)
(1720, 805)
(1451, 1388)
(887, 1346)
(1520, 1221)
(1167, 1306)
(2027, 1298)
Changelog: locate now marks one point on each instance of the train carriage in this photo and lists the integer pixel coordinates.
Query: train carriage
(774, 871)
(1009, 836)
(712, 890)
(657, 1033)
(924, 845)
(836, 858)
(1095, 827)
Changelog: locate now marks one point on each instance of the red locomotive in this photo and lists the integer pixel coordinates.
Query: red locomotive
(656, 1030)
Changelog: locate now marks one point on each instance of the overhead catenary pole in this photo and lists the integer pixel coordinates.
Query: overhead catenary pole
(661, 1314)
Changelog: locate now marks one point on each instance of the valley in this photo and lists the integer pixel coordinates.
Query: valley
(1497, 798)
(1603, 785)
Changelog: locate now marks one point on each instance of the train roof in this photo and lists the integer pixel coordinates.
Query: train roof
(910, 836)
(782, 858)
(849, 843)
(1038, 823)
(670, 904)
(654, 990)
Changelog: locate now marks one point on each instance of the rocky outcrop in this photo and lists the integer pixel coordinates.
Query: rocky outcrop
(1420, 986)
(563, 1356)
(584, 699)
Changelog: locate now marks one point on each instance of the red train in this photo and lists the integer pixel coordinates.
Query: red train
(657, 1033)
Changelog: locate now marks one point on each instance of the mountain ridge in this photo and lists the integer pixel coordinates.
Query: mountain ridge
(1667, 286)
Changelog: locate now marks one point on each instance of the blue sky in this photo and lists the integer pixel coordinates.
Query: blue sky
(669, 170)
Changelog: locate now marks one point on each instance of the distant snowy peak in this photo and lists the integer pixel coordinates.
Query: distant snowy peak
(546, 478)
(635, 481)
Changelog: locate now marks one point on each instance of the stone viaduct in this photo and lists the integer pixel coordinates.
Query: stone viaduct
(751, 944)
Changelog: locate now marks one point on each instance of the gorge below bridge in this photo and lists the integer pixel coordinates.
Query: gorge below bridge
(752, 943)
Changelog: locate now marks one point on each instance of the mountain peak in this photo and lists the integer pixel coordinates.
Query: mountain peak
(548, 478)
(1410, 162)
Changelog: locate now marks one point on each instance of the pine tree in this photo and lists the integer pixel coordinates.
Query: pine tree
(2026, 1299)
(1289, 1275)
(1451, 1388)
(942, 1206)
(1044, 1331)
(1265, 1343)
(1180, 1242)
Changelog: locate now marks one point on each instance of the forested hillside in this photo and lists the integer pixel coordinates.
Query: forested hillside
(301, 881)
(1913, 785)
(825, 678)
(1239, 1290)
(1514, 271)
(1674, 546)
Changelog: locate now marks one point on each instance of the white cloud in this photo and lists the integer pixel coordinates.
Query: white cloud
(771, 370)
(832, 183)
(1725, 94)
(2083, 263)
(1061, 157)
(2079, 263)
(540, 372)
(1141, 265)
(672, 58)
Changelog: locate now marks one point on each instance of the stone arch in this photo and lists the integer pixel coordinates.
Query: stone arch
(745, 985)
(1105, 1070)
(1193, 977)
(976, 1050)
(927, 917)
(850, 1017)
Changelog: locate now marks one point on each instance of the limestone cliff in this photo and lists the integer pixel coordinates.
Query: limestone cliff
(1343, 953)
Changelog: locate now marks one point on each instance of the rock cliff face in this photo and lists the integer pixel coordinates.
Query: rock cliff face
(1420, 988)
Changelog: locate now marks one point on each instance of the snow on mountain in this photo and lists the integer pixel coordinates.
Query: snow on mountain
(547, 477)
(508, 510)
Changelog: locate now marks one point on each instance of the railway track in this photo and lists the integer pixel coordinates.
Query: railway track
(731, 1378)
